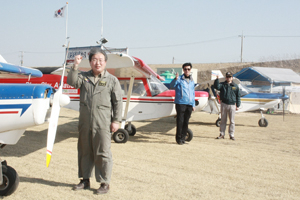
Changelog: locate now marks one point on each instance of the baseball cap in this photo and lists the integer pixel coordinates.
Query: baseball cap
(228, 74)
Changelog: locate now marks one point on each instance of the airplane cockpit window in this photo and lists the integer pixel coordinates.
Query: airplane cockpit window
(138, 88)
(156, 86)
(244, 90)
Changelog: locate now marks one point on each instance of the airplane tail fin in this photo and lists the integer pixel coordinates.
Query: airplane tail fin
(2, 59)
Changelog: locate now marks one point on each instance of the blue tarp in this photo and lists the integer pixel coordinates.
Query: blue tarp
(269, 74)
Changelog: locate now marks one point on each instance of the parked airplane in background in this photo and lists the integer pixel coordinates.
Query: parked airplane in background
(144, 95)
(250, 101)
(23, 106)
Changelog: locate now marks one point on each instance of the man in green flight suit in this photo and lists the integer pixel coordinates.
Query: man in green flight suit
(100, 113)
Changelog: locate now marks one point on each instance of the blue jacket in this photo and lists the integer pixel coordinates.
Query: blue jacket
(184, 91)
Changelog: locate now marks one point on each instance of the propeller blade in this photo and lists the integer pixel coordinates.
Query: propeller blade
(53, 124)
(55, 115)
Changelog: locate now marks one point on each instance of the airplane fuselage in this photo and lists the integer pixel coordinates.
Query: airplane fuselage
(22, 106)
(144, 104)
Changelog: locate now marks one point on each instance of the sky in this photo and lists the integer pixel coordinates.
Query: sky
(156, 31)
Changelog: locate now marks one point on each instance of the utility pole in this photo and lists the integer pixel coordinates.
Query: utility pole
(173, 60)
(242, 38)
(22, 55)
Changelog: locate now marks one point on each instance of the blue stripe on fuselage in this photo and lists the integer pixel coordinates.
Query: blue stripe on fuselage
(263, 96)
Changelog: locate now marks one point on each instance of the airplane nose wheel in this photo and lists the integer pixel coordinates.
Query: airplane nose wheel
(132, 130)
(120, 136)
(263, 122)
(10, 181)
(189, 135)
(218, 122)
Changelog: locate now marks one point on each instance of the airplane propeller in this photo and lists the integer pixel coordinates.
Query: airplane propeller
(59, 100)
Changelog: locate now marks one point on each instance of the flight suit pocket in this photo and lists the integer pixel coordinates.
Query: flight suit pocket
(104, 113)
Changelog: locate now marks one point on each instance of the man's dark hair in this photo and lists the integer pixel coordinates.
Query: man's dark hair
(94, 51)
(187, 64)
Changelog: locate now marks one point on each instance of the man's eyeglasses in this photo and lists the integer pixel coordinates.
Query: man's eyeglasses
(228, 76)
(189, 69)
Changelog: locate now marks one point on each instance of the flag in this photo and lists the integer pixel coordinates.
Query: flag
(60, 12)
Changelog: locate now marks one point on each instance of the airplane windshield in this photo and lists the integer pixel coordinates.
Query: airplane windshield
(244, 90)
(156, 86)
(138, 88)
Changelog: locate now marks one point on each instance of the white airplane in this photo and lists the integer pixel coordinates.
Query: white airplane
(250, 101)
(23, 106)
(144, 95)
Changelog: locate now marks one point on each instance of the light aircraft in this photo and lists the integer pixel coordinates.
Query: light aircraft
(250, 101)
(23, 106)
(144, 95)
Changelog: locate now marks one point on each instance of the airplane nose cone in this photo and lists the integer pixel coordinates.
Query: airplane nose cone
(64, 100)
(285, 97)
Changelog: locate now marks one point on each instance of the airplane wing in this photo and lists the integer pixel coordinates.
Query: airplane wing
(13, 71)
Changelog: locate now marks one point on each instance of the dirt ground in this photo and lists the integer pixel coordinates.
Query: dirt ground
(263, 163)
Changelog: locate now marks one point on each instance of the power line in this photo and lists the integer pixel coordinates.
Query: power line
(41, 52)
(184, 44)
(30, 52)
(268, 36)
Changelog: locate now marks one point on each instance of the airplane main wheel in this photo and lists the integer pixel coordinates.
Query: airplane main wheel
(132, 132)
(10, 181)
(263, 122)
(218, 122)
(189, 135)
(120, 136)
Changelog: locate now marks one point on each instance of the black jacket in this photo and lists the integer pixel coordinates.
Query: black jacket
(229, 93)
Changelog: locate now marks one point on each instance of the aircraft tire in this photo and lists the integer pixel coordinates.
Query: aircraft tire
(133, 130)
(10, 181)
(263, 122)
(189, 135)
(120, 136)
(218, 122)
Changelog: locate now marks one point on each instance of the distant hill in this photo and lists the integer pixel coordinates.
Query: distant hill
(204, 70)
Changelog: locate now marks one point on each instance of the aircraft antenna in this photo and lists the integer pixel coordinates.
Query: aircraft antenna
(66, 26)
(102, 39)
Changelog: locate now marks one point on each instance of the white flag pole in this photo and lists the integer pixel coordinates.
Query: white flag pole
(102, 20)
(66, 24)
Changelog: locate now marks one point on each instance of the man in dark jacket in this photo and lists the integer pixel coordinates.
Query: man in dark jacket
(230, 102)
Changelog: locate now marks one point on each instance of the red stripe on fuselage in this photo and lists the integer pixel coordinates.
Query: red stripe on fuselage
(9, 112)
(150, 99)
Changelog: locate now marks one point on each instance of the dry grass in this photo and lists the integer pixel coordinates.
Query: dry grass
(263, 163)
